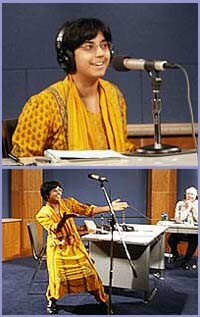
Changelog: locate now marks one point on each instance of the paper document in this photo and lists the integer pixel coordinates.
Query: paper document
(56, 155)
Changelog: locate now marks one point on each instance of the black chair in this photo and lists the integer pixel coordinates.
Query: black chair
(8, 128)
(38, 252)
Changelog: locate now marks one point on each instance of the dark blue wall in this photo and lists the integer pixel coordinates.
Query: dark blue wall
(151, 31)
(129, 185)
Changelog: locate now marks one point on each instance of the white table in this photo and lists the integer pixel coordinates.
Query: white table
(146, 248)
(173, 227)
(177, 160)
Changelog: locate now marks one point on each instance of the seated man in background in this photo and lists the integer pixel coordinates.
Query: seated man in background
(186, 211)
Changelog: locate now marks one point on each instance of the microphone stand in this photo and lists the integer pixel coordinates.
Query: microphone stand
(157, 147)
(114, 223)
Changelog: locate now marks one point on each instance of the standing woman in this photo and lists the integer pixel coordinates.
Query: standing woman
(83, 111)
(69, 265)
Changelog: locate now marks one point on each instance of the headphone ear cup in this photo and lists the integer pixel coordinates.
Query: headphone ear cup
(62, 60)
(66, 60)
(65, 57)
(113, 52)
(69, 61)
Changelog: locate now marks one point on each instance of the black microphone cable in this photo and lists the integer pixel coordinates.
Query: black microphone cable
(189, 103)
(142, 214)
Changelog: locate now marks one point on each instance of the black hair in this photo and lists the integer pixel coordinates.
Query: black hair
(76, 32)
(46, 187)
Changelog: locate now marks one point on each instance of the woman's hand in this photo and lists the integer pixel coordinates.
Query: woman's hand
(119, 205)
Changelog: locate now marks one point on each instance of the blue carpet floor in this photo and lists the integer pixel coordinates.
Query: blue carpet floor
(177, 294)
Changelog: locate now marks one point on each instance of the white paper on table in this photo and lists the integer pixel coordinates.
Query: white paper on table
(56, 155)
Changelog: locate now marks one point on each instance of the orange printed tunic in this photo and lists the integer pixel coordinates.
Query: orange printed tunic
(56, 118)
(69, 265)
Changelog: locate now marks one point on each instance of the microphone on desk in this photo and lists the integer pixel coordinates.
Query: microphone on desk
(125, 63)
(97, 177)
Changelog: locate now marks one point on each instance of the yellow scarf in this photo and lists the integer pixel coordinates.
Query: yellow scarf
(80, 127)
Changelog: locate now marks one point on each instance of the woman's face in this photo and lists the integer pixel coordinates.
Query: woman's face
(93, 57)
(55, 195)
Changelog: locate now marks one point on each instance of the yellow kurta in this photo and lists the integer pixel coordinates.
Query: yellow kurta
(69, 265)
(56, 118)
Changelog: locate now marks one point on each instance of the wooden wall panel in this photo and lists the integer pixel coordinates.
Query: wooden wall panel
(161, 202)
(162, 193)
(26, 201)
(26, 179)
(11, 240)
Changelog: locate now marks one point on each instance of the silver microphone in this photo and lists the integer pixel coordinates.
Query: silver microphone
(125, 63)
(97, 177)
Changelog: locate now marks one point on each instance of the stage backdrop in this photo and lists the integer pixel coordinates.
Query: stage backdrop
(128, 184)
(150, 31)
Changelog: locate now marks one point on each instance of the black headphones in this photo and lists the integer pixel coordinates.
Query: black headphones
(65, 57)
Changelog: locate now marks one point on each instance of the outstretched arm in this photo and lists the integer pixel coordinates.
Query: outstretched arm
(117, 205)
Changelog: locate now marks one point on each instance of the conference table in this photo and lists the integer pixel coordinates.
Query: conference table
(145, 245)
(173, 227)
(185, 159)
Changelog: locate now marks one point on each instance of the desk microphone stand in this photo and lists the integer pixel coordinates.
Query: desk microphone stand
(157, 147)
(114, 224)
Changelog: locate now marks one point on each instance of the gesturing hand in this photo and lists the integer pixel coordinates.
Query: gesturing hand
(64, 218)
(119, 205)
